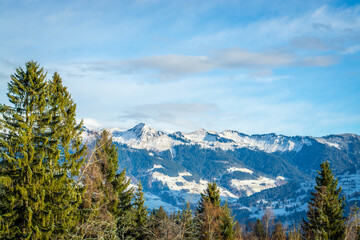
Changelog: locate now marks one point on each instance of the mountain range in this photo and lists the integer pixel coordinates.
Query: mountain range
(254, 172)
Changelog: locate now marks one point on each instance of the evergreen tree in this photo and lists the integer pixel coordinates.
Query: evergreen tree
(259, 230)
(213, 220)
(239, 233)
(40, 157)
(125, 215)
(118, 192)
(212, 195)
(325, 211)
(278, 233)
(227, 223)
(209, 221)
(140, 214)
(161, 226)
(101, 205)
(187, 227)
(294, 234)
(66, 156)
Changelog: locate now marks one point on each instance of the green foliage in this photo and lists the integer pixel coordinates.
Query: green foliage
(259, 230)
(187, 225)
(212, 195)
(118, 194)
(125, 214)
(279, 232)
(160, 224)
(325, 218)
(227, 223)
(213, 220)
(40, 157)
(105, 189)
(140, 214)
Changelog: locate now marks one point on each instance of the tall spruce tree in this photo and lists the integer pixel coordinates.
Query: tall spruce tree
(259, 230)
(115, 185)
(279, 232)
(227, 223)
(104, 188)
(212, 195)
(140, 214)
(187, 226)
(325, 218)
(124, 213)
(65, 158)
(212, 219)
(40, 157)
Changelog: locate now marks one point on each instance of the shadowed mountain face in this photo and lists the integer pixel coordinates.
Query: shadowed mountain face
(251, 170)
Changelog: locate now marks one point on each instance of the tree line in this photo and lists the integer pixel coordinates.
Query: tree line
(52, 186)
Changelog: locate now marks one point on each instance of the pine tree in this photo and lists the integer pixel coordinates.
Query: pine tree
(100, 207)
(259, 230)
(278, 233)
(140, 214)
(161, 226)
(209, 213)
(295, 234)
(187, 227)
(66, 156)
(227, 223)
(325, 211)
(40, 157)
(211, 194)
(124, 212)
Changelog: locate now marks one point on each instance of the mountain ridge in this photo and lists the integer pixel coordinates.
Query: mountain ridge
(176, 167)
(143, 136)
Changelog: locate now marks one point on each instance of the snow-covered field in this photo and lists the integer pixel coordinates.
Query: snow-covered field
(236, 169)
(254, 186)
(350, 184)
(179, 183)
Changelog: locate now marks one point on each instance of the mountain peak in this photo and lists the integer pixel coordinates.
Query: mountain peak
(142, 130)
(139, 127)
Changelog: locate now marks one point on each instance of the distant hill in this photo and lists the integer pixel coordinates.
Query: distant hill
(254, 172)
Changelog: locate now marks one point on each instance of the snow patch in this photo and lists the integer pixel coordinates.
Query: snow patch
(254, 186)
(235, 169)
(191, 187)
(155, 167)
(330, 144)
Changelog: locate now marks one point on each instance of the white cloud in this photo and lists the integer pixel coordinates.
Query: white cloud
(323, 29)
(313, 43)
(319, 61)
(173, 64)
(241, 58)
(351, 50)
(92, 123)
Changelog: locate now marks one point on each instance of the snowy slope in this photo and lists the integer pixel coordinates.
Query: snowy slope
(144, 137)
(290, 208)
(175, 168)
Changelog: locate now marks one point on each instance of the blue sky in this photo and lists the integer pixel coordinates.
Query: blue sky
(289, 67)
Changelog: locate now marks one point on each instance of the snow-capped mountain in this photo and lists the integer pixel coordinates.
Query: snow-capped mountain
(176, 167)
(144, 137)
